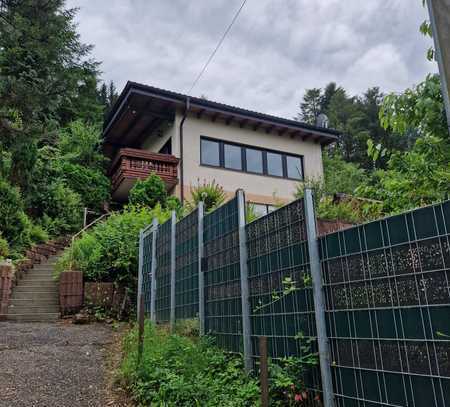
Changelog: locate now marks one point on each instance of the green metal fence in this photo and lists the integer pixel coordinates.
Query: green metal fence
(386, 285)
(146, 242)
(388, 310)
(163, 251)
(281, 299)
(186, 270)
(223, 309)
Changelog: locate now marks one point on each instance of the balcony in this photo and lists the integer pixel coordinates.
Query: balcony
(132, 164)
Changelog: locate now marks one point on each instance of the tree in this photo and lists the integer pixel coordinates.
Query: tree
(108, 96)
(328, 93)
(310, 107)
(420, 176)
(46, 79)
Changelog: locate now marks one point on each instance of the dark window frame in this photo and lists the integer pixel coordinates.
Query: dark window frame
(264, 152)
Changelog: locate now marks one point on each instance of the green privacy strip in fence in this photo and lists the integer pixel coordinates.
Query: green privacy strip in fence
(278, 262)
(186, 271)
(162, 301)
(146, 270)
(388, 309)
(223, 308)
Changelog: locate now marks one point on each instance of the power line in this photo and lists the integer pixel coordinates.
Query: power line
(217, 46)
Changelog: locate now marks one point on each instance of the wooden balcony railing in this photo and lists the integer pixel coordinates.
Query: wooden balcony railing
(133, 164)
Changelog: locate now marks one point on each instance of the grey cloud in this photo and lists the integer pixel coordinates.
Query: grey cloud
(276, 50)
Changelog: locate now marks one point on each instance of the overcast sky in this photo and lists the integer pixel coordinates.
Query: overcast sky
(275, 50)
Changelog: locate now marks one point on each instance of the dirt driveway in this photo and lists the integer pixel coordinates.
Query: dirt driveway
(54, 364)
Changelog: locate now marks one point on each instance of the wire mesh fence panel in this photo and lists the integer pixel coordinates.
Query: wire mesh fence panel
(388, 309)
(163, 250)
(223, 308)
(281, 299)
(146, 269)
(186, 270)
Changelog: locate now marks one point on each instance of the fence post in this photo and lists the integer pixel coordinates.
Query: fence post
(140, 274)
(172, 269)
(201, 276)
(153, 272)
(319, 300)
(246, 325)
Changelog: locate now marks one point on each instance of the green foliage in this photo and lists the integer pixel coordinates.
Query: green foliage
(421, 108)
(79, 143)
(38, 234)
(179, 371)
(340, 177)
(420, 176)
(149, 192)
(357, 118)
(109, 251)
(211, 193)
(62, 209)
(92, 185)
(14, 223)
(250, 213)
(310, 107)
(4, 248)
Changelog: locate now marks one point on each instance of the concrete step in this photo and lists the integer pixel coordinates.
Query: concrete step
(35, 309)
(42, 267)
(36, 284)
(36, 295)
(39, 317)
(30, 302)
(33, 289)
(38, 277)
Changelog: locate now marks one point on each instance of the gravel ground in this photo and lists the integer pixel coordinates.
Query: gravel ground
(53, 364)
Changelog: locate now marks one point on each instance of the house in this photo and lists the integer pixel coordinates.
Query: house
(185, 139)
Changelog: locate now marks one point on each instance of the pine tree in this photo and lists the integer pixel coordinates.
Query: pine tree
(310, 107)
(46, 79)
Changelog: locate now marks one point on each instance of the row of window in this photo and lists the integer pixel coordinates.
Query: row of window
(254, 160)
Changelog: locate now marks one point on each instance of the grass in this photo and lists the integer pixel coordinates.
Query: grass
(184, 371)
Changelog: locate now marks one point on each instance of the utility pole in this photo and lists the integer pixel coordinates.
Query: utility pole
(439, 12)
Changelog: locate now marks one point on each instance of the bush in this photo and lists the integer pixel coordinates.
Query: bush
(109, 251)
(38, 234)
(210, 193)
(149, 192)
(4, 248)
(180, 371)
(92, 185)
(63, 210)
(14, 223)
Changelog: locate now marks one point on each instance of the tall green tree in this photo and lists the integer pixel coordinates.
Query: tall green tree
(310, 106)
(46, 79)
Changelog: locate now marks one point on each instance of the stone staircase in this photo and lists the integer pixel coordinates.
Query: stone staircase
(35, 298)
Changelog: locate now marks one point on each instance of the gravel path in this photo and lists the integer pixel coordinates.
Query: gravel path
(52, 364)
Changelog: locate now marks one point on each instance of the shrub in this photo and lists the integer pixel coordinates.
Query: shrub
(210, 193)
(92, 185)
(14, 223)
(109, 251)
(63, 210)
(38, 234)
(149, 192)
(4, 248)
(179, 371)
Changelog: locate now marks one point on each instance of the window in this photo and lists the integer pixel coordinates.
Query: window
(274, 164)
(262, 209)
(254, 160)
(210, 152)
(232, 157)
(294, 167)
